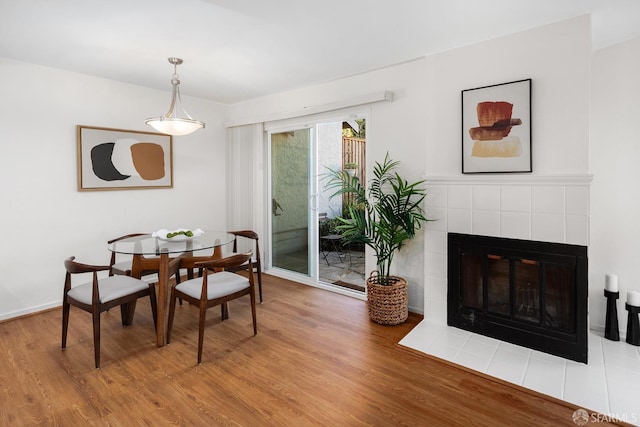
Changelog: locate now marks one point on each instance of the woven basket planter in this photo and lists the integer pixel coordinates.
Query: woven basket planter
(388, 305)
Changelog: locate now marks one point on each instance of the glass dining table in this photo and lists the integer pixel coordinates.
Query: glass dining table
(168, 256)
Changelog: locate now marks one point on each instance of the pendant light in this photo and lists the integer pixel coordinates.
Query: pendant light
(170, 123)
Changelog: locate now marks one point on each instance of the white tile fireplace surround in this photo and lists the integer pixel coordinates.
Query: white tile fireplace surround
(543, 208)
(609, 384)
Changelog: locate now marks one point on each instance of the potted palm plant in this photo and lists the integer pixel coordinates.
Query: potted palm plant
(383, 216)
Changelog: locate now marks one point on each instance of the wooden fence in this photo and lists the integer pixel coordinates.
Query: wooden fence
(354, 151)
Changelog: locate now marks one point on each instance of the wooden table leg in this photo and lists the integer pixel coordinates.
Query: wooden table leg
(166, 267)
(163, 299)
(139, 264)
(217, 252)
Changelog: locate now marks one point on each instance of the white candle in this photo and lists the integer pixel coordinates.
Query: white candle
(611, 283)
(633, 298)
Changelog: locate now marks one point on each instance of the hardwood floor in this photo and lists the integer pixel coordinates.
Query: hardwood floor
(317, 360)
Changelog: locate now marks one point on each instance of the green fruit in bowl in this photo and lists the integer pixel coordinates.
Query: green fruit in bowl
(173, 234)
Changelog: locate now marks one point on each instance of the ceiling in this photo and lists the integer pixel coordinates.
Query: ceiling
(235, 50)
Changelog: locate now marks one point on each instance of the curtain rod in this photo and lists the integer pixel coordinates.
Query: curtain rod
(315, 109)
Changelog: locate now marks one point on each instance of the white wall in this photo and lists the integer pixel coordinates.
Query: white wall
(397, 126)
(556, 58)
(45, 219)
(615, 151)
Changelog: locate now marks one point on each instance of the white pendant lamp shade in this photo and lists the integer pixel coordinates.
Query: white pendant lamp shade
(174, 125)
(170, 123)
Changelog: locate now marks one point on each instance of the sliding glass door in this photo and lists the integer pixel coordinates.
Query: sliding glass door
(304, 241)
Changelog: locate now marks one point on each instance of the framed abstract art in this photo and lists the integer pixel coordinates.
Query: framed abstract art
(117, 159)
(496, 128)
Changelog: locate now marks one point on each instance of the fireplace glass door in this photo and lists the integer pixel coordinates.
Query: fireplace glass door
(498, 287)
(527, 287)
(558, 296)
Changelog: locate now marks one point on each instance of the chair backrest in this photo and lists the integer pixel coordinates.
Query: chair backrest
(228, 263)
(112, 261)
(144, 265)
(249, 234)
(125, 237)
(74, 267)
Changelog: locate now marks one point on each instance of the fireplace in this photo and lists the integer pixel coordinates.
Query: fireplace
(528, 293)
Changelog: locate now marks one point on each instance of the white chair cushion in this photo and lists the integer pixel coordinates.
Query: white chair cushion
(219, 285)
(126, 266)
(110, 288)
(122, 266)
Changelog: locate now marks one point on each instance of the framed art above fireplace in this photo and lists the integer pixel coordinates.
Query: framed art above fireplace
(496, 128)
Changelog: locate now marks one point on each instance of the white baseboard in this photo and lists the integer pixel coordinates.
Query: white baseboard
(30, 310)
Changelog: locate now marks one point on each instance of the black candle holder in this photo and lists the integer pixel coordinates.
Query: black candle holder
(611, 331)
(633, 325)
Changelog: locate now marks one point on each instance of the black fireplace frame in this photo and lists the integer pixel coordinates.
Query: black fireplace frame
(572, 345)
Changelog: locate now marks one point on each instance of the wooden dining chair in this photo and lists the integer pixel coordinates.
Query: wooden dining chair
(100, 295)
(125, 267)
(215, 287)
(255, 261)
